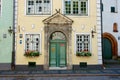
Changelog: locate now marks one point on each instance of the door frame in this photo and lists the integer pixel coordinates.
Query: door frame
(113, 42)
(67, 33)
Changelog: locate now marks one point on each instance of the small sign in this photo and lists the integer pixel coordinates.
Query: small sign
(20, 41)
(62, 45)
(20, 35)
(4, 35)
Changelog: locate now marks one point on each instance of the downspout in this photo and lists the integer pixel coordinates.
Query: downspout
(101, 7)
(13, 43)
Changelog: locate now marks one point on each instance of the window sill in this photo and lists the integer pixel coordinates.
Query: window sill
(114, 12)
(76, 15)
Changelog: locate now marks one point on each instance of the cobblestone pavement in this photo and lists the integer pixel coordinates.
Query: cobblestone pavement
(83, 74)
(64, 78)
(62, 72)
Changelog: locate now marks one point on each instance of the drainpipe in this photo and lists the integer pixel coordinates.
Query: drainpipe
(13, 43)
(101, 7)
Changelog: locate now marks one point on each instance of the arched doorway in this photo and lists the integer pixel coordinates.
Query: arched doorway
(57, 51)
(58, 23)
(110, 46)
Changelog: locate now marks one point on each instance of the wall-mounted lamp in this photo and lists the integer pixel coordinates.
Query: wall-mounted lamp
(10, 30)
(93, 30)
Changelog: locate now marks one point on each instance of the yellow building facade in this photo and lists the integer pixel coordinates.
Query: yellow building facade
(57, 34)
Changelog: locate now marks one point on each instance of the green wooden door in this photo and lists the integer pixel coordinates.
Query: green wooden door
(107, 49)
(62, 52)
(57, 53)
(53, 51)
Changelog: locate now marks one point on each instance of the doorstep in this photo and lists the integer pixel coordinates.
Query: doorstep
(57, 68)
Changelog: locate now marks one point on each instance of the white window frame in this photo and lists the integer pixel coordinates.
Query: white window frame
(39, 40)
(35, 11)
(76, 39)
(63, 8)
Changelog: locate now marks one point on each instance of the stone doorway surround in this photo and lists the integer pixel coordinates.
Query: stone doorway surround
(58, 22)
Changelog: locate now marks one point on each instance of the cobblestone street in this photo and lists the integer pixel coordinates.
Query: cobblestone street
(64, 78)
(83, 74)
(66, 72)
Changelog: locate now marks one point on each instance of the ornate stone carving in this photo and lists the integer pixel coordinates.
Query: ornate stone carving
(58, 22)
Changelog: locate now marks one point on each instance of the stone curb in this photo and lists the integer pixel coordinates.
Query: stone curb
(59, 75)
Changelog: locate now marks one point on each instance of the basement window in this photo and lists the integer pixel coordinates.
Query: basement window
(32, 64)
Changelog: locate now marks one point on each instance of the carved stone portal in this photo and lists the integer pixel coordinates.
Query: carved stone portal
(54, 23)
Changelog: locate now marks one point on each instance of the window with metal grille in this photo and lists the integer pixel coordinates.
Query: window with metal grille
(36, 7)
(82, 42)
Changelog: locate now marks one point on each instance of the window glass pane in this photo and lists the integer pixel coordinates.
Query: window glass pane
(32, 42)
(38, 6)
(78, 7)
(68, 7)
(75, 7)
(30, 6)
(112, 9)
(58, 35)
(83, 7)
(47, 6)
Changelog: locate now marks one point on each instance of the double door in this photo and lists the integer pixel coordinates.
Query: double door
(57, 53)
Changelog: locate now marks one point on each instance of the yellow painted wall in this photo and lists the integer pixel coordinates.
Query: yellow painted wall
(26, 22)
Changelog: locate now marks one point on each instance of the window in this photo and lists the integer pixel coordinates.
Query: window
(112, 9)
(32, 42)
(38, 7)
(82, 42)
(57, 35)
(115, 27)
(76, 7)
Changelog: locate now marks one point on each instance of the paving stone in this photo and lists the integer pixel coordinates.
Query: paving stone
(65, 78)
(95, 71)
(108, 71)
(66, 72)
(84, 71)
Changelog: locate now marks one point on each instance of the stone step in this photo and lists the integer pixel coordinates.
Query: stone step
(111, 61)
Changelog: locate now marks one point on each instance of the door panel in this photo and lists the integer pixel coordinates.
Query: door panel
(53, 54)
(62, 54)
(107, 49)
